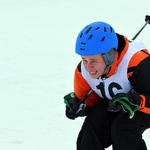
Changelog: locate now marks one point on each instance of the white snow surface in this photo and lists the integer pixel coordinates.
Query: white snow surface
(37, 62)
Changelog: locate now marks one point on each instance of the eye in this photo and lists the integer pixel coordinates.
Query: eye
(84, 61)
(93, 61)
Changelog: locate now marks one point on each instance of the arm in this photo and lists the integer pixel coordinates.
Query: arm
(81, 88)
(139, 97)
(80, 102)
(139, 77)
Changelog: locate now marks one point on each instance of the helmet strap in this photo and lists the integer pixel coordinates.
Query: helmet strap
(106, 70)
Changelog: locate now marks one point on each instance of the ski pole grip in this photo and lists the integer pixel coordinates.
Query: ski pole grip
(147, 19)
(68, 97)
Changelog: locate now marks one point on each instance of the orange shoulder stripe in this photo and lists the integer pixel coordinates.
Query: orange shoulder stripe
(136, 59)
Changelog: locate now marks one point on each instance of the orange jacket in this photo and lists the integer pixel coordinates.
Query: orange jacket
(138, 75)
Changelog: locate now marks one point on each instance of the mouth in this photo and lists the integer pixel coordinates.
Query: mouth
(92, 72)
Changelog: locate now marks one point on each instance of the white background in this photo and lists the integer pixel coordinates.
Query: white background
(37, 62)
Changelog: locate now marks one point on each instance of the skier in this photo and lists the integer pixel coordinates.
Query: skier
(111, 88)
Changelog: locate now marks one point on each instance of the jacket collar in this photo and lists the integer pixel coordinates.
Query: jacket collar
(123, 44)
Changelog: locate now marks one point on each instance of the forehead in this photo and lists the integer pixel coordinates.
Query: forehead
(93, 57)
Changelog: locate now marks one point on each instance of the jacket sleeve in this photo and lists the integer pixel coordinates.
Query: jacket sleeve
(139, 77)
(81, 88)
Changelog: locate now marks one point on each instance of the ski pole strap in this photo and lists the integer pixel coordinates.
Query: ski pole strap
(128, 105)
(68, 97)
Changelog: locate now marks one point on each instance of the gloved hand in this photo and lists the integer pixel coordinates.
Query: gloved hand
(125, 102)
(74, 106)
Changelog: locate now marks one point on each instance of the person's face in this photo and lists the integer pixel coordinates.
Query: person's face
(95, 65)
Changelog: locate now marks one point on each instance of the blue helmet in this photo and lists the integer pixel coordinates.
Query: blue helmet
(97, 38)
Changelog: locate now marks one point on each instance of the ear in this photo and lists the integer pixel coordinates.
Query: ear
(109, 57)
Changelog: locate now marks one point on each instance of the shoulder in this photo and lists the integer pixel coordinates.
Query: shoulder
(139, 72)
(138, 57)
(137, 52)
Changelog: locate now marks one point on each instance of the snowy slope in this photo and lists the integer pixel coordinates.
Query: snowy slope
(37, 62)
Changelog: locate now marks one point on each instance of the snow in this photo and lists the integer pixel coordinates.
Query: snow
(37, 63)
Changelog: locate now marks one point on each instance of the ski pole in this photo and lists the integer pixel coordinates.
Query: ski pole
(82, 105)
(72, 95)
(87, 95)
(147, 19)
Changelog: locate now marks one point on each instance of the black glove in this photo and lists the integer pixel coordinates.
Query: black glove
(125, 102)
(75, 107)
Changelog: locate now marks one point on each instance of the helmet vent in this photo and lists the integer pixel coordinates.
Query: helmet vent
(81, 35)
(90, 36)
(103, 39)
(97, 28)
(111, 29)
(88, 30)
(104, 29)
(83, 43)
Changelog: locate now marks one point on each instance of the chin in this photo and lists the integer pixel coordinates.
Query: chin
(94, 76)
